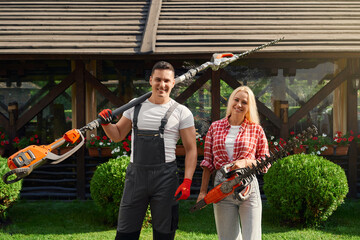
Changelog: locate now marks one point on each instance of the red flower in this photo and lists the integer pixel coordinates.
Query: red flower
(105, 137)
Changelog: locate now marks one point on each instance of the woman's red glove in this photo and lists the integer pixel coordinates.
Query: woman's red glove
(106, 116)
(184, 188)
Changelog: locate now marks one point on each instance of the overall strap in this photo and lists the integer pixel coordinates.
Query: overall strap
(166, 117)
(136, 114)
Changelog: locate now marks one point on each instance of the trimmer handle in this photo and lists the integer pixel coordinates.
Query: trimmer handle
(20, 173)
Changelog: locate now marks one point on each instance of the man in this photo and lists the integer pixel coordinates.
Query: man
(151, 176)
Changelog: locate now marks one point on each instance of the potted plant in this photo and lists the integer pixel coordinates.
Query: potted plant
(99, 146)
(319, 145)
(4, 142)
(23, 142)
(341, 143)
(300, 147)
(122, 148)
(275, 144)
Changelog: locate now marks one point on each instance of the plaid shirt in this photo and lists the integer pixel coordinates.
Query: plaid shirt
(251, 143)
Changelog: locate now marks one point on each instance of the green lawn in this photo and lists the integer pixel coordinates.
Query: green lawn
(81, 220)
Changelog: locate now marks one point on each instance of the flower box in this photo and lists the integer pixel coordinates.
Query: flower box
(180, 151)
(341, 150)
(298, 150)
(100, 152)
(328, 151)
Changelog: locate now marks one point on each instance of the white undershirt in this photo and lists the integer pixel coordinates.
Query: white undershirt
(150, 116)
(230, 141)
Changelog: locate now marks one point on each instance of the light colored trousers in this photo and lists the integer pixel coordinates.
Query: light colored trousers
(238, 220)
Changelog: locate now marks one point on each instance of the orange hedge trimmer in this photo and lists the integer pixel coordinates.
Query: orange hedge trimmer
(23, 162)
(239, 179)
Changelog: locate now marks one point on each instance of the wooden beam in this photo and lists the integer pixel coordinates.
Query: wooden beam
(318, 97)
(194, 87)
(45, 101)
(37, 95)
(4, 121)
(268, 113)
(102, 89)
(215, 95)
(80, 121)
(149, 36)
(226, 77)
(3, 106)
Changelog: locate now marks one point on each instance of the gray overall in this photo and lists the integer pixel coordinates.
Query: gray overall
(149, 180)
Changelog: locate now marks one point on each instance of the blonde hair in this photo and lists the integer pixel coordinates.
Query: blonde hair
(252, 115)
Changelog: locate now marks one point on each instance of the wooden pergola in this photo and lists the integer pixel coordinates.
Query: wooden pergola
(135, 34)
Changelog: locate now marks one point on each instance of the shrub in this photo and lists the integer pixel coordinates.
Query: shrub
(305, 189)
(107, 185)
(9, 193)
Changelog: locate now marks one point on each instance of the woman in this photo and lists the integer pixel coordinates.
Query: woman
(238, 139)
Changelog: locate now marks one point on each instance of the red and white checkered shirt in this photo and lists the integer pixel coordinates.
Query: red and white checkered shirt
(251, 143)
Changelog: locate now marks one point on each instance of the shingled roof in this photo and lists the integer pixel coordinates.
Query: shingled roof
(177, 27)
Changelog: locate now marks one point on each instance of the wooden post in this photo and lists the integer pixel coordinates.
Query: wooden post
(215, 95)
(13, 109)
(340, 101)
(352, 125)
(80, 122)
(91, 103)
(284, 109)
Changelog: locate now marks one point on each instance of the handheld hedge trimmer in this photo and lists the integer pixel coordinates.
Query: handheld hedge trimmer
(239, 179)
(23, 162)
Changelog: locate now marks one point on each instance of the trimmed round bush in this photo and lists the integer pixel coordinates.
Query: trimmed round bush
(107, 186)
(305, 189)
(9, 193)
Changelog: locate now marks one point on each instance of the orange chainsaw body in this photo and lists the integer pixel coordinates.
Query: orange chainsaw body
(215, 195)
(32, 155)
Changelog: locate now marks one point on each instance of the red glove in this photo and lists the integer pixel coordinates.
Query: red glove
(105, 116)
(184, 188)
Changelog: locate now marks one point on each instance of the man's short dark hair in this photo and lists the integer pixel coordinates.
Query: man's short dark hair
(162, 65)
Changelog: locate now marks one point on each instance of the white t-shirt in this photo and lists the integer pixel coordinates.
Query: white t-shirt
(230, 141)
(150, 116)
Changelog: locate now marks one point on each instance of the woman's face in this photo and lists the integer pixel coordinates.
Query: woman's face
(240, 105)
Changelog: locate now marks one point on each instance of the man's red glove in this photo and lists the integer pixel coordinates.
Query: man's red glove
(184, 188)
(106, 116)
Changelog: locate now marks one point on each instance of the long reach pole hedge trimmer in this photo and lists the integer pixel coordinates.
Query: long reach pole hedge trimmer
(23, 162)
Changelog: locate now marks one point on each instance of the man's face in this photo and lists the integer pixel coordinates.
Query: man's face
(162, 82)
